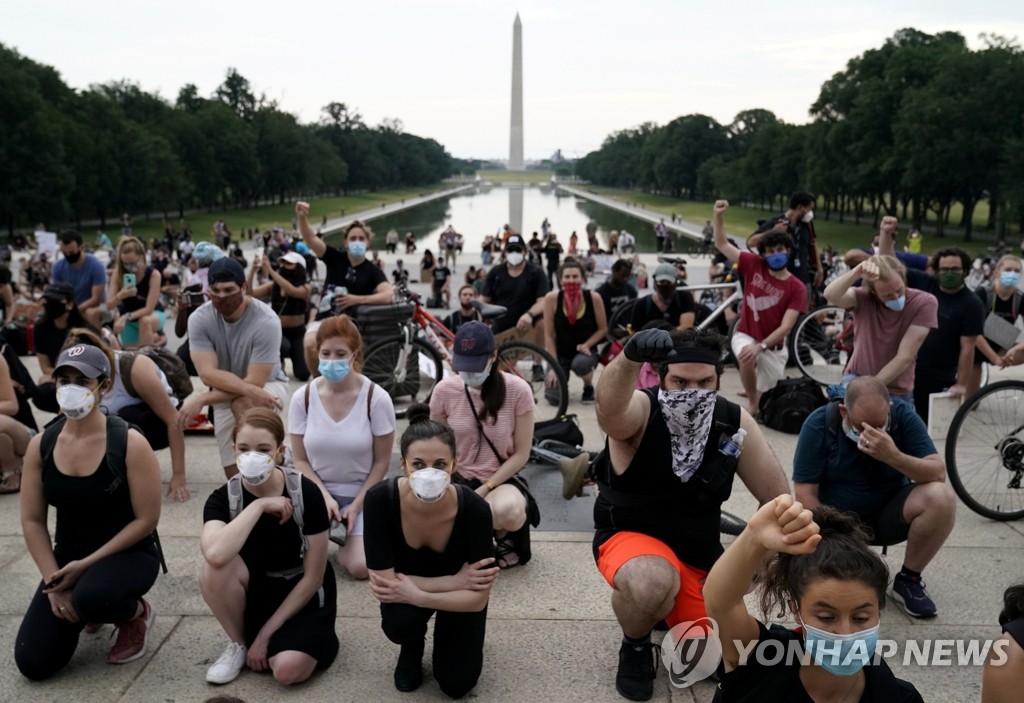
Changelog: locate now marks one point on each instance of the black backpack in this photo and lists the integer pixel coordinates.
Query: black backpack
(785, 407)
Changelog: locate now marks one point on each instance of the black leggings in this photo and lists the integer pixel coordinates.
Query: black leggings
(458, 642)
(108, 591)
(153, 428)
(291, 347)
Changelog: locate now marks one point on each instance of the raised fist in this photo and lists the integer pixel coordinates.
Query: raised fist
(721, 206)
(654, 346)
(889, 224)
(302, 209)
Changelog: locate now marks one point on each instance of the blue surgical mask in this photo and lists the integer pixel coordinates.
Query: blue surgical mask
(777, 261)
(841, 655)
(897, 304)
(1009, 279)
(334, 370)
(357, 248)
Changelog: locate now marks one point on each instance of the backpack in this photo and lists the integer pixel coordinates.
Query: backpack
(167, 361)
(787, 405)
(292, 483)
(117, 450)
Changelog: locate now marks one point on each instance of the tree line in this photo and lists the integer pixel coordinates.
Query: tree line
(907, 129)
(67, 155)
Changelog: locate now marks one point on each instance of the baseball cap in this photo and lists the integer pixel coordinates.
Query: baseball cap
(515, 241)
(665, 272)
(86, 358)
(226, 270)
(295, 258)
(61, 291)
(474, 345)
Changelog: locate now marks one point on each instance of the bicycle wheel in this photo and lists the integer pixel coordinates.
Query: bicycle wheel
(985, 451)
(407, 373)
(618, 321)
(731, 525)
(521, 359)
(819, 345)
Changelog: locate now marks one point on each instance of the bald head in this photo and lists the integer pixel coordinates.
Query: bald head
(867, 402)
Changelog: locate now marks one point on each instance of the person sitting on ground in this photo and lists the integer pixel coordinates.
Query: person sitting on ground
(429, 551)
(236, 346)
(574, 323)
(145, 401)
(103, 480)
(60, 314)
(873, 458)
(400, 276)
(773, 300)
(1003, 677)
(669, 463)
(135, 288)
(617, 290)
(666, 303)
(265, 572)
(466, 312)
(14, 435)
(892, 322)
(1003, 299)
(342, 428)
(819, 567)
(520, 287)
(289, 290)
(491, 413)
(364, 283)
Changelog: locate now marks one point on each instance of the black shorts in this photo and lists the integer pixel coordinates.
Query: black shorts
(887, 524)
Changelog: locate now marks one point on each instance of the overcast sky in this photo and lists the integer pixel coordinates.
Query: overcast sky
(443, 67)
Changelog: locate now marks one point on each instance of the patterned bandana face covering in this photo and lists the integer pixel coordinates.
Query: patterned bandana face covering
(688, 415)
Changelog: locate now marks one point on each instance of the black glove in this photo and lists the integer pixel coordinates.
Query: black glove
(654, 346)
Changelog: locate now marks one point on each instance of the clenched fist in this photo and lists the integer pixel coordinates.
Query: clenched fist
(654, 346)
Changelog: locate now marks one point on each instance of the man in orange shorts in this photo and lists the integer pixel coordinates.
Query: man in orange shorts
(669, 463)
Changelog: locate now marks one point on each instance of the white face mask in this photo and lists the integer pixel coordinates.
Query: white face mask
(475, 379)
(808, 216)
(429, 484)
(255, 467)
(75, 401)
(516, 258)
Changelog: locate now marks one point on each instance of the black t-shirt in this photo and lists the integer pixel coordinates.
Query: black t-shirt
(285, 304)
(646, 311)
(456, 320)
(754, 682)
(5, 275)
(272, 546)
(961, 314)
(553, 251)
(385, 543)
(614, 296)
(49, 339)
(364, 279)
(517, 294)
(441, 275)
(803, 236)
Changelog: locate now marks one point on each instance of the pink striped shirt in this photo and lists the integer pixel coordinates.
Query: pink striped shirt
(475, 459)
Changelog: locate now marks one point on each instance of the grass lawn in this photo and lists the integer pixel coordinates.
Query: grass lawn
(741, 221)
(515, 176)
(270, 215)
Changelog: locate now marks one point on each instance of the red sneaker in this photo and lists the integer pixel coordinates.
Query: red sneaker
(131, 637)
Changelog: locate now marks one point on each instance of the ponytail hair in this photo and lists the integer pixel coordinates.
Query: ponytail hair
(422, 427)
(843, 554)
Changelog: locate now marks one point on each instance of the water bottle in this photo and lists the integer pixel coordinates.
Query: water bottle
(732, 446)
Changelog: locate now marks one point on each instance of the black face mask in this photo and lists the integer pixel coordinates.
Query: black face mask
(54, 309)
(73, 258)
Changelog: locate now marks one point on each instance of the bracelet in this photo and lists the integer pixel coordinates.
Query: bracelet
(490, 486)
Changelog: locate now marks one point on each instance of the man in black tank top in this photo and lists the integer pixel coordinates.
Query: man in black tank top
(668, 466)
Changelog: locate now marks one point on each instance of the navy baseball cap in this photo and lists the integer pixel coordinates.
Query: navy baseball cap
(474, 345)
(226, 270)
(515, 241)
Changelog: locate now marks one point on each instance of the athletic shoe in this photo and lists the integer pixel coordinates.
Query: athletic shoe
(635, 678)
(131, 637)
(537, 374)
(910, 594)
(228, 666)
(588, 394)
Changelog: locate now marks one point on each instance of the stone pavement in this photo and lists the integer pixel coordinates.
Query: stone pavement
(552, 634)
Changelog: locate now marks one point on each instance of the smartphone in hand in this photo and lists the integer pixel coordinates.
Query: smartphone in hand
(128, 280)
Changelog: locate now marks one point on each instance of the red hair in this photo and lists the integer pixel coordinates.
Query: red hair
(342, 326)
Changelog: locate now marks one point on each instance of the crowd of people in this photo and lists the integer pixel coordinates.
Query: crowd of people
(432, 540)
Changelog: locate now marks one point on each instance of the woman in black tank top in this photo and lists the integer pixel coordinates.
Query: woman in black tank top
(134, 289)
(107, 497)
(574, 323)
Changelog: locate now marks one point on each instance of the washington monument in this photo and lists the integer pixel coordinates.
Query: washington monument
(515, 155)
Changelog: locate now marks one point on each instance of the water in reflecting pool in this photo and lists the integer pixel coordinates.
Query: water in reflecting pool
(477, 213)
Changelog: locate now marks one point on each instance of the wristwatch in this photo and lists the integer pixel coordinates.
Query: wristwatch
(764, 347)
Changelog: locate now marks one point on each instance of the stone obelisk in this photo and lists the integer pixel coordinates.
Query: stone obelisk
(515, 156)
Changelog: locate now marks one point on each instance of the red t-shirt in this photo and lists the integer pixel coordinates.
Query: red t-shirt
(766, 298)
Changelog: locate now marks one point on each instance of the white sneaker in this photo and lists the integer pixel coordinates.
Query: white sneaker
(228, 666)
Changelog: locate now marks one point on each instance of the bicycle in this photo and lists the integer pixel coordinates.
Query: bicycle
(408, 365)
(985, 451)
(823, 344)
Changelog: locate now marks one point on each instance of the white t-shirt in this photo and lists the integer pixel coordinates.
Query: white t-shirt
(341, 453)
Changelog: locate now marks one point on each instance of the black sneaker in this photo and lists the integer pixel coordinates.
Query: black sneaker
(409, 670)
(910, 594)
(588, 394)
(637, 668)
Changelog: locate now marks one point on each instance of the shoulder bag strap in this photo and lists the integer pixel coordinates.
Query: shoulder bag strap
(480, 427)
